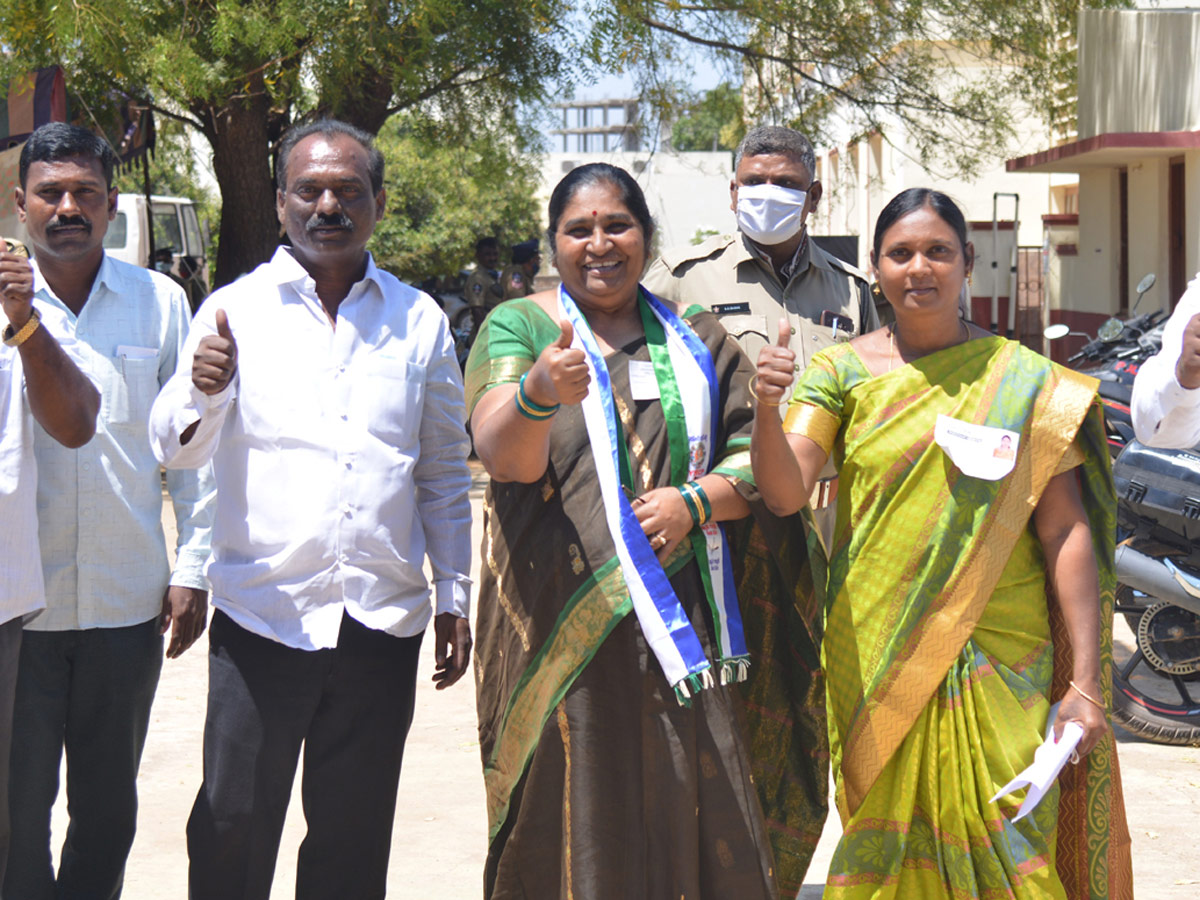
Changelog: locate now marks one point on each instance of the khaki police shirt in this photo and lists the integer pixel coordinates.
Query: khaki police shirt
(478, 289)
(515, 282)
(726, 275)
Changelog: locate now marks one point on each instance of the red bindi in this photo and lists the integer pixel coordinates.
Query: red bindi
(594, 213)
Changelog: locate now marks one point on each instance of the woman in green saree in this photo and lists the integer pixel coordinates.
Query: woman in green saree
(613, 427)
(969, 587)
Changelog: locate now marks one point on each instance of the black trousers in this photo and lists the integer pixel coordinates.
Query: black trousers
(350, 707)
(87, 693)
(10, 649)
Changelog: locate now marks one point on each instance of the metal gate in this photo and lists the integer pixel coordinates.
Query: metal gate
(1030, 297)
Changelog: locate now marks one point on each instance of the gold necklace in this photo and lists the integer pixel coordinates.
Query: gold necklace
(892, 341)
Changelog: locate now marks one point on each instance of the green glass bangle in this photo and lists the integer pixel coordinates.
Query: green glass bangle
(707, 506)
(691, 503)
(529, 404)
(528, 408)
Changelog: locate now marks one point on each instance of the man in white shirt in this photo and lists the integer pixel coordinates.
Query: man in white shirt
(1166, 391)
(327, 396)
(38, 382)
(89, 665)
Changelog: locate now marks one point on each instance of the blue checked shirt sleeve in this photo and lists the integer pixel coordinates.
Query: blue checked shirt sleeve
(193, 491)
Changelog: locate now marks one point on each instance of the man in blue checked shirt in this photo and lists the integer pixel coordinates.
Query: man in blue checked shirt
(89, 664)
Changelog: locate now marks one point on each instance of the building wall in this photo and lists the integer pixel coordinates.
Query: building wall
(1138, 71)
(1098, 263)
(861, 176)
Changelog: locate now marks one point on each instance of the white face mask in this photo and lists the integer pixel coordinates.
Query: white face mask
(769, 214)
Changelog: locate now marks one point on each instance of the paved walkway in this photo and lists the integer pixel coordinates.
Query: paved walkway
(440, 836)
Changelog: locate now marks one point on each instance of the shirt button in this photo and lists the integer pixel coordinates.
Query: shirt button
(793, 329)
(87, 467)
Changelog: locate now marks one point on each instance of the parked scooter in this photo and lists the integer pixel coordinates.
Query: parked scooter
(1114, 357)
(1158, 542)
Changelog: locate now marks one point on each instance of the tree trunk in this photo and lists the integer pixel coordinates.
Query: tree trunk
(238, 133)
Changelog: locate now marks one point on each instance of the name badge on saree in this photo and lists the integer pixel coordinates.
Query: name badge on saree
(981, 451)
(643, 383)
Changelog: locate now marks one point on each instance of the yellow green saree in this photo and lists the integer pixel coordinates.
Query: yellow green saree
(941, 645)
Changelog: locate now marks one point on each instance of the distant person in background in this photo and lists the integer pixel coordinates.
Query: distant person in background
(90, 663)
(38, 383)
(482, 290)
(194, 284)
(517, 278)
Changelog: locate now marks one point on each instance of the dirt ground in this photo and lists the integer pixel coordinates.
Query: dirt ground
(439, 841)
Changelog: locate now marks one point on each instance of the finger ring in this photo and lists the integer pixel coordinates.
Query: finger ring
(658, 540)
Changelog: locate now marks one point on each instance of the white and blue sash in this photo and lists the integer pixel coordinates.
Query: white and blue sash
(660, 614)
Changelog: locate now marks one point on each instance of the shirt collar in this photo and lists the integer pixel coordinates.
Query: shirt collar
(799, 262)
(109, 275)
(286, 269)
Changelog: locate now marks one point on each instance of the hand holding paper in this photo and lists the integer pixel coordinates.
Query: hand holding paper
(1048, 761)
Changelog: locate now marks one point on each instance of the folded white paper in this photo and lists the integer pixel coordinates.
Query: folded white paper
(1048, 761)
(128, 351)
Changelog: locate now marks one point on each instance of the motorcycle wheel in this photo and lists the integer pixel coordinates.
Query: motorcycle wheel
(1167, 639)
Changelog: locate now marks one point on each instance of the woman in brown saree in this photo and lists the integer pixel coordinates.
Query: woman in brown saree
(608, 635)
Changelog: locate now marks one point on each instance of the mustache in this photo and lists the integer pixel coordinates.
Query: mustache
(60, 222)
(323, 220)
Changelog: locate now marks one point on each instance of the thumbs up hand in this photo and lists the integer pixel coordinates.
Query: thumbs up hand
(560, 374)
(215, 360)
(776, 368)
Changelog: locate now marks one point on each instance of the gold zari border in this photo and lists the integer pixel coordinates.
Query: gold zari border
(817, 424)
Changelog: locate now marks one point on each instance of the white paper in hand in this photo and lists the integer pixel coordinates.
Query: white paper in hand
(1048, 761)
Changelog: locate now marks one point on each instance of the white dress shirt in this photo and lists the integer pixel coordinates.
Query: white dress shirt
(1165, 413)
(339, 454)
(21, 590)
(99, 507)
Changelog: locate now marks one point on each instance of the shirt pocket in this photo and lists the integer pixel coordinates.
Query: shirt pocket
(130, 391)
(813, 338)
(395, 394)
(750, 331)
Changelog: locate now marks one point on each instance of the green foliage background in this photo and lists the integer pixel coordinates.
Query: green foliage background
(443, 195)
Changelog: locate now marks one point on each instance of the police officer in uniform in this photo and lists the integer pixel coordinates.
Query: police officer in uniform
(482, 291)
(517, 279)
(771, 268)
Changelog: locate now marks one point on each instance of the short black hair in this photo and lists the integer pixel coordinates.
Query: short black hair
(486, 243)
(767, 140)
(910, 201)
(600, 173)
(57, 141)
(329, 128)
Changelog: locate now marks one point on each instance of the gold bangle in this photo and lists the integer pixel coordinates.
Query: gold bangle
(1088, 697)
(759, 401)
(13, 338)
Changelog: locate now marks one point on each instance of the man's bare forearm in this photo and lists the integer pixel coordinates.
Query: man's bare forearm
(62, 399)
